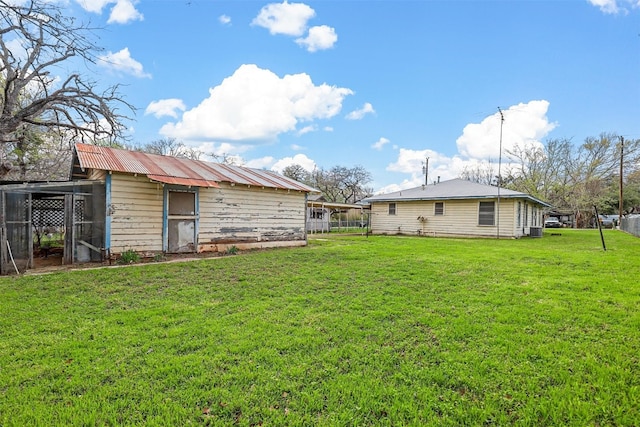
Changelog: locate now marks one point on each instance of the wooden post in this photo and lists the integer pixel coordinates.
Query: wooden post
(68, 229)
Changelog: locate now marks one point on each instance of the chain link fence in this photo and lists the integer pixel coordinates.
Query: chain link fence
(631, 225)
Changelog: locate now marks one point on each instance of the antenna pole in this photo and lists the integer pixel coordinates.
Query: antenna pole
(426, 171)
(499, 172)
(620, 203)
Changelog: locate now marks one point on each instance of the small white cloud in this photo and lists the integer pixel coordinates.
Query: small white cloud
(524, 124)
(122, 62)
(298, 159)
(165, 107)
(296, 147)
(327, 129)
(606, 6)
(255, 104)
(367, 108)
(94, 6)
(124, 12)
(380, 143)
(307, 129)
(319, 38)
(284, 18)
(224, 20)
(261, 163)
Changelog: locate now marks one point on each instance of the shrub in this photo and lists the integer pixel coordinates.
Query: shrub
(232, 250)
(130, 256)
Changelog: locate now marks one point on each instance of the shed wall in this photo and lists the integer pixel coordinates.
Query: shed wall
(460, 219)
(230, 215)
(253, 216)
(136, 213)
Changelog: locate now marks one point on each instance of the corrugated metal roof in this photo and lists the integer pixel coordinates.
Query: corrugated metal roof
(451, 189)
(173, 170)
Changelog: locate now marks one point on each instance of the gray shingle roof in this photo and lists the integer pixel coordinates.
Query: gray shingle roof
(451, 189)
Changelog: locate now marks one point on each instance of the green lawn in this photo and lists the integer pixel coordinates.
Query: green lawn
(347, 331)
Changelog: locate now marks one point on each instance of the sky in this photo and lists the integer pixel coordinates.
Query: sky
(380, 84)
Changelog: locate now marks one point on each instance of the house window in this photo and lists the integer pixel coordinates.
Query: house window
(392, 208)
(486, 213)
(519, 217)
(439, 208)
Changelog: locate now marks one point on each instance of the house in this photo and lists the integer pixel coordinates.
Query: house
(119, 200)
(318, 215)
(457, 208)
(321, 214)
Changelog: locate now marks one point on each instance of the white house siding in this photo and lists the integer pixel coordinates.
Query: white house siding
(250, 217)
(460, 219)
(136, 213)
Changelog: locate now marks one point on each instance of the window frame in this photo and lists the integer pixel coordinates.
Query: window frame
(484, 215)
(439, 212)
(393, 208)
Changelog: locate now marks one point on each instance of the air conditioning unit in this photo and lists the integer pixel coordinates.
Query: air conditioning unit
(535, 231)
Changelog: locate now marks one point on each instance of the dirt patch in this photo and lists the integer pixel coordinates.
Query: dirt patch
(53, 262)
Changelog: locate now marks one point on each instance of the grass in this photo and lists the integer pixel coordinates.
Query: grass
(352, 330)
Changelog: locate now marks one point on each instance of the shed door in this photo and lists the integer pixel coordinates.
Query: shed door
(182, 216)
(16, 238)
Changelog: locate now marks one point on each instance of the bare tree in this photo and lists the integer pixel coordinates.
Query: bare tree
(482, 173)
(341, 184)
(171, 147)
(573, 177)
(298, 173)
(36, 38)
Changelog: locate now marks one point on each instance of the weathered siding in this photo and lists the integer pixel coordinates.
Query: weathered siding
(136, 214)
(250, 217)
(460, 219)
(246, 217)
(97, 175)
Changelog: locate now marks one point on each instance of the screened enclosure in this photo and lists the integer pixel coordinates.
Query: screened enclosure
(51, 219)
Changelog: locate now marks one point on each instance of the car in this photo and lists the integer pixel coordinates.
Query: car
(552, 222)
(607, 221)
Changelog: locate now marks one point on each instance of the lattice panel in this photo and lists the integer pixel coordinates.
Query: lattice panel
(50, 212)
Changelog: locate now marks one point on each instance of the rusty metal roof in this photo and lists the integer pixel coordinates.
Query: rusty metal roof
(174, 170)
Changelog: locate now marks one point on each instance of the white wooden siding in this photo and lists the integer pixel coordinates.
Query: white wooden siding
(136, 214)
(250, 214)
(239, 215)
(460, 219)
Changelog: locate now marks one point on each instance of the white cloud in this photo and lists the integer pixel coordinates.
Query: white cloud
(367, 108)
(261, 163)
(224, 20)
(298, 159)
(94, 6)
(296, 147)
(122, 62)
(165, 107)
(284, 18)
(255, 104)
(380, 143)
(307, 129)
(478, 146)
(319, 38)
(524, 124)
(122, 12)
(615, 6)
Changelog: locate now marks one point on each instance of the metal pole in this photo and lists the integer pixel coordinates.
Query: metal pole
(499, 178)
(620, 203)
(600, 228)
